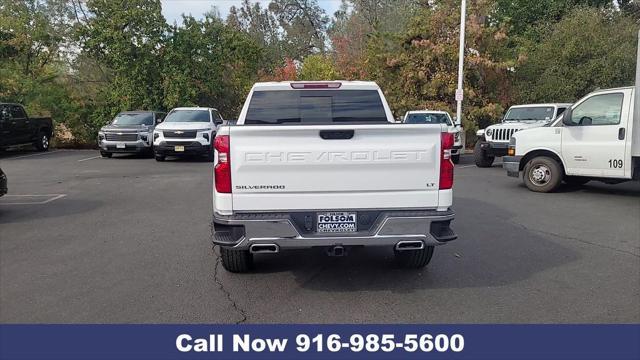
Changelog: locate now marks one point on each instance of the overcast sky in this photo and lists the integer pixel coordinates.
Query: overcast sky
(172, 9)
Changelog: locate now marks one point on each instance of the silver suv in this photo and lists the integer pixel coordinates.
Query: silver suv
(129, 132)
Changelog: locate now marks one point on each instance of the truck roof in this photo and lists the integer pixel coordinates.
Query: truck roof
(194, 108)
(427, 112)
(339, 84)
(609, 89)
(540, 105)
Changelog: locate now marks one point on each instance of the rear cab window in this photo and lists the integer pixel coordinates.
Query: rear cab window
(309, 107)
(428, 118)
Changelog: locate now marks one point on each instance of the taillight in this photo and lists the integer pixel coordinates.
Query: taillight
(446, 165)
(222, 170)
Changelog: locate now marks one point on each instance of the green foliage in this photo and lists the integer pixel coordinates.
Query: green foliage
(318, 67)
(209, 64)
(417, 69)
(524, 17)
(127, 38)
(570, 61)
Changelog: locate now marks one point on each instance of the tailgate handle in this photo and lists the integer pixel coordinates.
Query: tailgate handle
(336, 134)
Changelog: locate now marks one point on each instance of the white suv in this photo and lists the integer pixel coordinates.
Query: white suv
(186, 131)
(494, 140)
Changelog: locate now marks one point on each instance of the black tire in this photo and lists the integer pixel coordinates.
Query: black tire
(105, 154)
(159, 157)
(481, 158)
(414, 259)
(576, 180)
(149, 153)
(42, 142)
(455, 158)
(211, 155)
(236, 261)
(542, 174)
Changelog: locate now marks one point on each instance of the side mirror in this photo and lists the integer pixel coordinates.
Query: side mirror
(566, 118)
(218, 122)
(159, 120)
(456, 122)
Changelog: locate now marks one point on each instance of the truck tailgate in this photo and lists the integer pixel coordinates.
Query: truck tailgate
(314, 167)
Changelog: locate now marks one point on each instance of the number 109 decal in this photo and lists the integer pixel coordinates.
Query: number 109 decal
(615, 163)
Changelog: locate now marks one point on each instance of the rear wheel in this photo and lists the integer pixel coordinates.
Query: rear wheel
(481, 158)
(576, 180)
(542, 174)
(42, 143)
(455, 158)
(105, 154)
(211, 155)
(159, 157)
(414, 259)
(236, 261)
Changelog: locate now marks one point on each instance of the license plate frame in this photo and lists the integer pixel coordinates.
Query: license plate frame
(336, 222)
(178, 148)
(121, 146)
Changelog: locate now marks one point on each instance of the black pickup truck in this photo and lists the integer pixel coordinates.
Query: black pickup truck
(16, 128)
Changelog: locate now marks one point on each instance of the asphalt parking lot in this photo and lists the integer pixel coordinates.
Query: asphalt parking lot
(127, 240)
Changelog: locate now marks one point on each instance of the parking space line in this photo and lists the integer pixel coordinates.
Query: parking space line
(91, 158)
(51, 197)
(36, 154)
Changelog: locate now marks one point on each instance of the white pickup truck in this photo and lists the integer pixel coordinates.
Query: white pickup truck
(439, 117)
(322, 164)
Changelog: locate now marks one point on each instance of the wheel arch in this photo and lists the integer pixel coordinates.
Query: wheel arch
(541, 152)
(47, 130)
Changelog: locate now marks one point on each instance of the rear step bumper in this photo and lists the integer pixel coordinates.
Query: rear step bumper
(271, 232)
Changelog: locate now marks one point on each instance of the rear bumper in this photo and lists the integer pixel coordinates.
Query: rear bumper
(286, 230)
(512, 165)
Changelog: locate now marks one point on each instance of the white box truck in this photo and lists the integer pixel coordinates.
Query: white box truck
(597, 138)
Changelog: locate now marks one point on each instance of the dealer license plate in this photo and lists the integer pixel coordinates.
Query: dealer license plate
(337, 222)
(179, 148)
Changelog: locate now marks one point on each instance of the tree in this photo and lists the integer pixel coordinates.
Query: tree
(261, 25)
(126, 37)
(35, 42)
(288, 71)
(570, 62)
(318, 67)
(525, 17)
(303, 23)
(207, 63)
(417, 69)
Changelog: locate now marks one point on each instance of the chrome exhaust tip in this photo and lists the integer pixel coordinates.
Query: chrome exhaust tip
(264, 249)
(410, 245)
